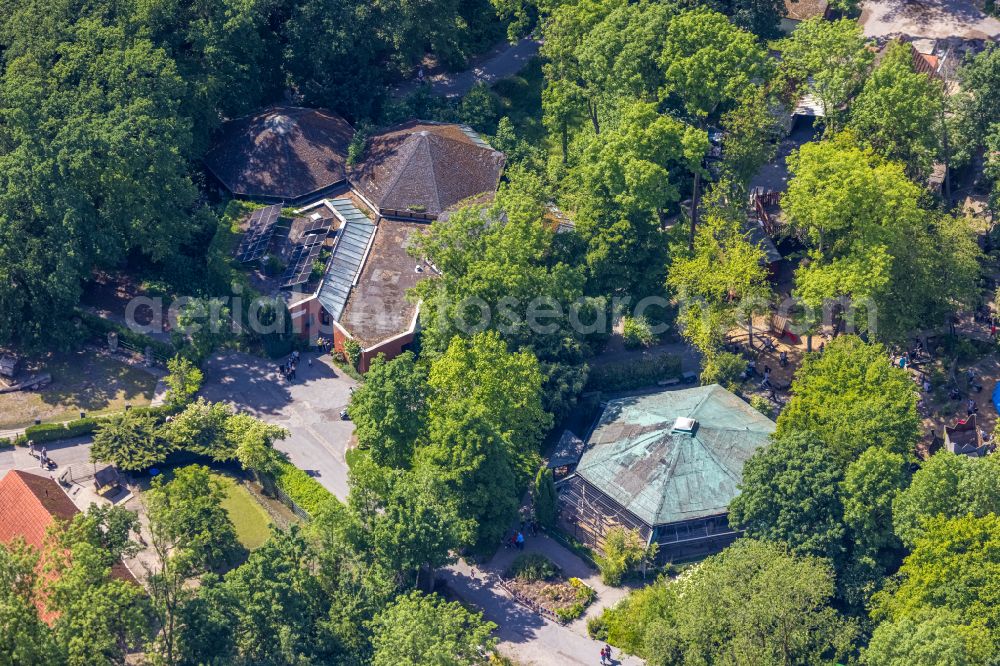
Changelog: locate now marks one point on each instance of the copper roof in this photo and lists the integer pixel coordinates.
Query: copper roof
(426, 167)
(283, 152)
(662, 472)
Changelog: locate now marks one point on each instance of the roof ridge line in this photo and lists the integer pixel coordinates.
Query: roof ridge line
(675, 456)
(434, 178)
(402, 167)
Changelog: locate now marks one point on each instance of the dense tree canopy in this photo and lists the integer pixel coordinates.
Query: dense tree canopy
(752, 604)
(899, 112)
(851, 398)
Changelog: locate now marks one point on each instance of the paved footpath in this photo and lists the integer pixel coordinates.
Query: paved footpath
(503, 62)
(525, 636)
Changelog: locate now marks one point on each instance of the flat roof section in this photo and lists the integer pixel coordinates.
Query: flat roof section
(377, 308)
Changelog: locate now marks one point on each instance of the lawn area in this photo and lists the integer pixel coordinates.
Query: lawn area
(81, 381)
(253, 525)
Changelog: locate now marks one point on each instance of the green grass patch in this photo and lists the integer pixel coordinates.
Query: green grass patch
(81, 382)
(521, 100)
(253, 525)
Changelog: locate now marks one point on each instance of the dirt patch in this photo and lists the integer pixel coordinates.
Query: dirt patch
(82, 381)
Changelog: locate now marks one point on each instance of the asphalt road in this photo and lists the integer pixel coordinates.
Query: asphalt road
(502, 63)
(309, 407)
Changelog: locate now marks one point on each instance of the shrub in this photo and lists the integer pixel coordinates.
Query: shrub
(352, 350)
(6, 442)
(531, 567)
(597, 628)
(584, 596)
(762, 405)
(301, 488)
(723, 368)
(629, 375)
(623, 551)
(637, 333)
(53, 432)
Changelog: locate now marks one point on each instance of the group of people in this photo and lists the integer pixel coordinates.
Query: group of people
(606, 657)
(289, 367)
(516, 540)
(43, 456)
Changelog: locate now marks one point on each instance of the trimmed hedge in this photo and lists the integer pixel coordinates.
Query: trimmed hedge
(308, 493)
(629, 375)
(53, 432)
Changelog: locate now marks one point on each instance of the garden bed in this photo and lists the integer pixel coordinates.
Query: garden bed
(539, 581)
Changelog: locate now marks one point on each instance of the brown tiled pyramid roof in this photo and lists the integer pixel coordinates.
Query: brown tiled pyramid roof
(283, 152)
(425, 167)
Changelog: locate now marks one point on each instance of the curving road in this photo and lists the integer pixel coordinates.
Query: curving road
(506, 61)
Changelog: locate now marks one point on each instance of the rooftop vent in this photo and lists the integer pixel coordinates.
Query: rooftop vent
(684, 424)
(279, 123)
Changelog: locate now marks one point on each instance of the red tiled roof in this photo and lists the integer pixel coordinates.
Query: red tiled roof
(425, 167)
(28, 505)
(283, 152)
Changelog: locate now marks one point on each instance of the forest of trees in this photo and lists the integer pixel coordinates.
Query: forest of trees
(856, 550)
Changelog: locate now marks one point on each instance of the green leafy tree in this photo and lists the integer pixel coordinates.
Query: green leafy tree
(183, 381)
(852, 399)
(747, 145)
(789, 494)
(389, 409)
(418, 629)
(935, 638)
(874, 253)
(130, 441)
(188, 512)
(545, 498)
(418, 527)
(77, 191)
(720, 283)
(709, 62)
(871, 484)
(826, 59)
(899, 111)
(479, 470)
(623, 550)
(100, 618)
(480, 372)
(25, 638)
(278, 604)
(946, 485)
(952, 568)
(252, 442)
(754, 603)
(501, 261)
(200, 428)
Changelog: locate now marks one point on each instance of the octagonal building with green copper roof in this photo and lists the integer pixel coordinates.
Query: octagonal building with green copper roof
(667, 464)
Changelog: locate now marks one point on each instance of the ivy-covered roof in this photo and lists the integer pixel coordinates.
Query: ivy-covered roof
(664, 474)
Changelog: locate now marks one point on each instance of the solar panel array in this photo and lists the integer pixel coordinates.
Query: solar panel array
(300, 264)
(347, 258)
(259, 233)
